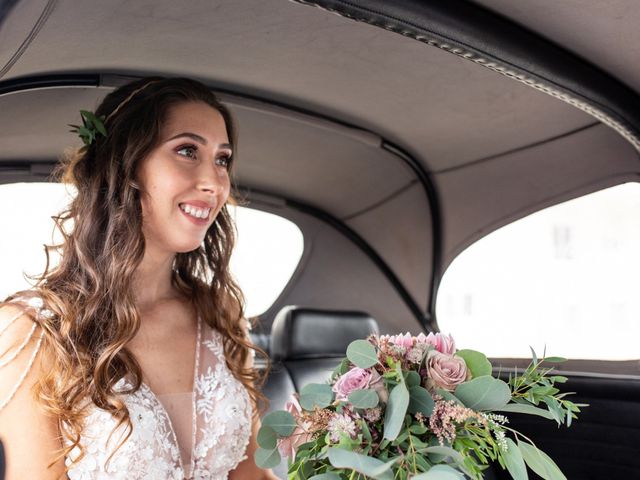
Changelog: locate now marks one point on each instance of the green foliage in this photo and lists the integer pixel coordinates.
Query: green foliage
(476, 362)
(267, 437)
(539, 462)
(440, 472)
(267, 458)
(535, 387)
(281, 422)
(396, 408)
(400, 442)
(363, 398)
(369, 466)
(525, 408)
(91, 127)
(315, 395)
(412, 379)
(514, 462)
(420, 401)
(362, 354)
(341, 369)
(484, 393)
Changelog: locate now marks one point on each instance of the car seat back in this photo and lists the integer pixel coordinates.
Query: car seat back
(311, 342)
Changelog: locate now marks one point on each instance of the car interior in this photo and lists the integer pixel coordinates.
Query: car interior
(395, 135)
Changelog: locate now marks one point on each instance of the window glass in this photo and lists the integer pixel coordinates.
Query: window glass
(268, 248)
(566, 277)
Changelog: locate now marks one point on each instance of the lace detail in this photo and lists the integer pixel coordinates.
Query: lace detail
(223, 404)
(35, 303)
(222, 429)
(149, 453)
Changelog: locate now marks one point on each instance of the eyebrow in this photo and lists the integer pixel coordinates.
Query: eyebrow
(199, 139)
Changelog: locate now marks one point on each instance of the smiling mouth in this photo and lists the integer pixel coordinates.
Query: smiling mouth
(198, 213)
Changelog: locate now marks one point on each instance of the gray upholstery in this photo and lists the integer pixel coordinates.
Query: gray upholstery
(305, 333)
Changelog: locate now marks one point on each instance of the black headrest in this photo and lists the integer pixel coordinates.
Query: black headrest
(303, 333)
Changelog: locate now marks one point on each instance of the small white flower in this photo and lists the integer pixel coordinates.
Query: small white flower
(341, 423)
(415, 354)
(501, 440)
(373, 414)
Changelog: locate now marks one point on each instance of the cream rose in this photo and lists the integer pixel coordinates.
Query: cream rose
(445, 371)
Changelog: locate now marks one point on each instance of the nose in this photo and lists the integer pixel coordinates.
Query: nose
(212, 178)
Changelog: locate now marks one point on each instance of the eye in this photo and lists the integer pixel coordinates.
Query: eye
(224, 161)
(188, 151)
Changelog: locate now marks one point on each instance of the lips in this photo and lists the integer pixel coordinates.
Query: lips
(197, 216)
(195, 211)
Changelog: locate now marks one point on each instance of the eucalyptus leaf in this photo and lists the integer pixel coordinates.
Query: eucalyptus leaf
(395, 412)
(369, 466)
(555, 409)
(267, 458)
(341, 369)
(525, 408)
(540, 462)
(477, 362)
(326, 476)
(514, 462)
(281, 422)
(364, 398)
(555, 359)
(484, 393)
(315, 395)
(440, 472)
(267, 437)
(420, 401)
(412, 379)
(445, 451)
(362, 354)
(448, 396)
(534, 357)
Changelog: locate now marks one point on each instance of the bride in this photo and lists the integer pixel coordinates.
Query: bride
(130, 358)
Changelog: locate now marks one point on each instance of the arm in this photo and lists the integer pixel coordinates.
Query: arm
(248, 467)
(30, 437)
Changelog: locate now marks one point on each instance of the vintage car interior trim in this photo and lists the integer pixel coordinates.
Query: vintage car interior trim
(474, 33)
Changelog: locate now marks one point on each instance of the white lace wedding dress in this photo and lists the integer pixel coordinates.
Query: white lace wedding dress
(193, 435)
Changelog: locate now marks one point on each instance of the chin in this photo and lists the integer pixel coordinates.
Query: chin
(186, 247)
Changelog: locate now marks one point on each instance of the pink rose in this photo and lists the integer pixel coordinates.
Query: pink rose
(405, 340)
(357, 379)
(288, 445)
(445, 371)
(441, 342)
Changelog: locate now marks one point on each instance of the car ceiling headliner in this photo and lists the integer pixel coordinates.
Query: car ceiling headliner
(317, 95)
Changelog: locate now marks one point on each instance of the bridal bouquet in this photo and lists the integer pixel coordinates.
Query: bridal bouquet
(404, 407)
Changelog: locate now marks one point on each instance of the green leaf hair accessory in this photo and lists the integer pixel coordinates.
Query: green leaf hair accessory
(91, 127)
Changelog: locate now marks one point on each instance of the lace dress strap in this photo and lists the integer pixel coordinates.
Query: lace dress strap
(10, 356)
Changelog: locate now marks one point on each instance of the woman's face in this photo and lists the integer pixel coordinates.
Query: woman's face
(184, 180)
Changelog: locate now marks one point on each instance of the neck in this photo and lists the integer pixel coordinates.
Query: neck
(152, 280)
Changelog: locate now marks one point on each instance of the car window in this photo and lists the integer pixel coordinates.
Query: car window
(565, 278)
(268, 248)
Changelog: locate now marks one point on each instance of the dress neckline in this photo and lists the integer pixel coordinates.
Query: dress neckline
(160, 406)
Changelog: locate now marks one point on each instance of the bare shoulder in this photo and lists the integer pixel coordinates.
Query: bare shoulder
(30, 437)
(15, 324)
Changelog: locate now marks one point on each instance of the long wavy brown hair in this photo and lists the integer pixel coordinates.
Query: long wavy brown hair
(89, 291)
